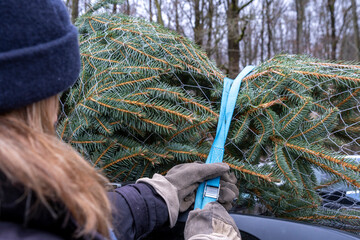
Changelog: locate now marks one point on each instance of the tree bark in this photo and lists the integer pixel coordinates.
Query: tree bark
(150, 10)
(127, 7)
(74, 10)
(262, 32)
(356, 28)
(177, 25)
(268, 24)
(299, 5)
(210, 27)
(199, 26)
(218, 53)
(114, 8)
(234, 35)
(331, 8)
(158, 8)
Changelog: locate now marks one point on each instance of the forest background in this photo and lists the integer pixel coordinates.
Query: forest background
(251, 31)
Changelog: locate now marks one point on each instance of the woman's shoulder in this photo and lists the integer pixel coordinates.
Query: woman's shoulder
(14, 231)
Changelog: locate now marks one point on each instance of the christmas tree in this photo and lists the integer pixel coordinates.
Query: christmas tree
(142, 102)
(148, 99)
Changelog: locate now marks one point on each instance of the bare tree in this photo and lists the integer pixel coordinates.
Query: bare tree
(199, 21)
(74, 10)
(356, 28)
(158, 12)
(234, 33)
(268, 25)
(150, 10)
(177, 25)
(300, 14)
(218, 36)
(127, 7)
(334, 40)
(262, 37)
(343, 37)
(210, 16)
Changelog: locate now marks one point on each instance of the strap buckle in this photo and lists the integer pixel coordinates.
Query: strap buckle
(211, 191)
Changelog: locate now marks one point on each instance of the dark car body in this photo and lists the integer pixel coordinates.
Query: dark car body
(264, 228)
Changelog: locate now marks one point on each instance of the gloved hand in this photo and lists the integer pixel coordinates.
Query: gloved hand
(178, 186)
(211, 223)
(228, 190)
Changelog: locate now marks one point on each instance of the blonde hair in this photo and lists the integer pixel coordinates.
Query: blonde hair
(32, 155)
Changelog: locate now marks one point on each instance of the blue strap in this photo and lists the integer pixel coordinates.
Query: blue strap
(112, 234)
(208, 191)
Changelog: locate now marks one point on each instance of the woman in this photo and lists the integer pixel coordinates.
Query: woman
(47, 190)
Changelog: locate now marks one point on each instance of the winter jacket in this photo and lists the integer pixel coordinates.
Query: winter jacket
(138, 210)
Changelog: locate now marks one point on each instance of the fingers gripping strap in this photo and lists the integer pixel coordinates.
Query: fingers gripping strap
(205, 192)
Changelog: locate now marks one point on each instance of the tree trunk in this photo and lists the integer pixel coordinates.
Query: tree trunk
(356, 28)
(268, 24)
(256, 49)
(127, 7)
(308, 23)
(262, 32)
(177, 25)
(210, 27)
(233, 33)
(217, 49)
(150, 10)
(74, 10)
(114, 8)
(199, 27)
(331, 8)
(299, 5)
(158, 8)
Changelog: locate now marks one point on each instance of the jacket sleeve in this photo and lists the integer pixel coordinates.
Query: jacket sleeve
(137, 211)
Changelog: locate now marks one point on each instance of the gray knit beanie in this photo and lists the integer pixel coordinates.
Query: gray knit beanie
(39, 51)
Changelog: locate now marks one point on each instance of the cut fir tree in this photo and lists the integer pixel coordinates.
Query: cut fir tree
(148, 99)
(142, 101)
(296, 115)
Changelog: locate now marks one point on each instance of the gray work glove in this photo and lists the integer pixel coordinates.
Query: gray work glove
(211, 223)
(228, 190)
(178, 186)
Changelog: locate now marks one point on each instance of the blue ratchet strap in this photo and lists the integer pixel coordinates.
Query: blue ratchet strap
(208, 191)
(112, 234)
